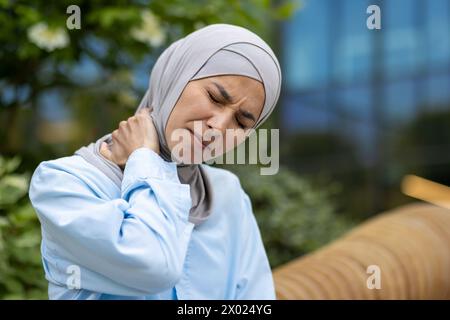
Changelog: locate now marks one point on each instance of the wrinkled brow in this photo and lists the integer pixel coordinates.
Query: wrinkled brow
(226, 96)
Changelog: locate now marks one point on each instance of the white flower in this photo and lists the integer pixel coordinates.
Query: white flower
(150, 31)
(48, 38)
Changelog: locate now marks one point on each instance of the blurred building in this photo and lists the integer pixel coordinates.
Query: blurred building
(360, 90)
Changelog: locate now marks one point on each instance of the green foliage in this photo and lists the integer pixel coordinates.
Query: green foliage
(423, 140)
(31, 64)
(21, 273)
(295, 217)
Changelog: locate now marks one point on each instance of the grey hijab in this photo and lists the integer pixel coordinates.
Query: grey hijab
(217, 49)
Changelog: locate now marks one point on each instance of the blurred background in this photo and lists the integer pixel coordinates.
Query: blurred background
(359, 108)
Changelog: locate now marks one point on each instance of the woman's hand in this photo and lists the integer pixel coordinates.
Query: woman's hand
(137, 132)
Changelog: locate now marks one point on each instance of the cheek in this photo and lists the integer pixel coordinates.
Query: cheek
(196, 105)
(194, 109)
(198, 110)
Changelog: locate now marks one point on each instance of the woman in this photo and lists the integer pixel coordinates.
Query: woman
(121, 220)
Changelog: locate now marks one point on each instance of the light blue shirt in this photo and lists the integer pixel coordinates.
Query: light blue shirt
(102, 242)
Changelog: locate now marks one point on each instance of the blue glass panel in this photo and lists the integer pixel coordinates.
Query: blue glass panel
(353, 44)
(306, 46)
(399, 102)
(438, 33)
(402, 37)
(305, 112)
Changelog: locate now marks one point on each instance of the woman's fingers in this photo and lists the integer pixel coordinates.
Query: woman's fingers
(136, 132)
(104, 150)
(144, 110)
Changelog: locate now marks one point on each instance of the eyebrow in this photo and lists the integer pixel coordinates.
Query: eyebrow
(226, 96)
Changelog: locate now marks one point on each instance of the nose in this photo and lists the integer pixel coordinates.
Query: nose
(221, 120)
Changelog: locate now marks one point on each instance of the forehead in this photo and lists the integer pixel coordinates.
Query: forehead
(238, 84)
(240, 87)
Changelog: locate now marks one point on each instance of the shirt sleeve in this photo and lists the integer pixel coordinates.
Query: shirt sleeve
(136, 244)
(255, 280)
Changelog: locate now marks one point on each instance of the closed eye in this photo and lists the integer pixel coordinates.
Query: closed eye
(213, 99)
(241, 125)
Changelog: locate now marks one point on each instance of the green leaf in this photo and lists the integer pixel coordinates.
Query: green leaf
(286, 10)
(12, 188)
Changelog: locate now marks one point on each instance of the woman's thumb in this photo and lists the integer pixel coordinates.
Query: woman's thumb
(145, 110)
(104, 150)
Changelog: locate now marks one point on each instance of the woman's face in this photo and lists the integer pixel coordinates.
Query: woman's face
(211, 109)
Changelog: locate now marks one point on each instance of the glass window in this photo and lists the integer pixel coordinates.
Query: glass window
(399, 102)
(353, 102)
(353, 45)
(438, 33)
(306, 46)
(401, 31)
(438, 92)
(305, 112)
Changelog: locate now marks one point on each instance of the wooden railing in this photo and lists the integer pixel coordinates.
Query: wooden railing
(405, 252)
